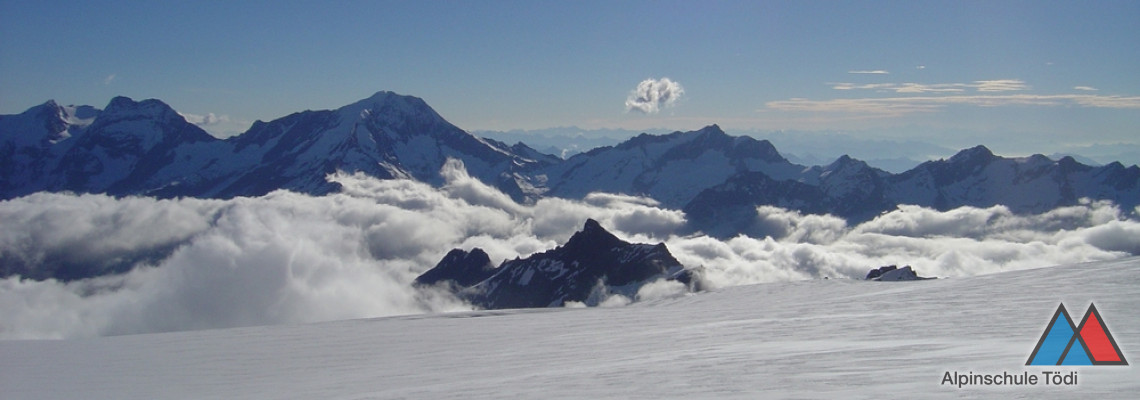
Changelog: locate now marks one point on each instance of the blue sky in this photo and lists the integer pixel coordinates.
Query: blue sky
(1002, 73)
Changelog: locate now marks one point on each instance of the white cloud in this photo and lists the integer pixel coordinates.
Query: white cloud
(292, 258)
(209, 119)
(109, 79)
(1107, 101)
(964, 241)
(870, 72)
(653, 94)
(1085, 88)
(999, 85)
(895, 106)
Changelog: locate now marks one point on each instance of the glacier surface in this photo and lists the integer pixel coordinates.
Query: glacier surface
(821, 338)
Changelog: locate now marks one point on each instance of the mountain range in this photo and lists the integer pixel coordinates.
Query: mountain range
(146, 148)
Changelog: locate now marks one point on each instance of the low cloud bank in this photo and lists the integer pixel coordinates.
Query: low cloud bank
(293, 258)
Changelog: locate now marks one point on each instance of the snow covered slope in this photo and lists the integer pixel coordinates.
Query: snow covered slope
(31, 143)
(974, 177)
(804, 339)
(1034, 184)
(147, 148)
(386, 136)
(669, 168)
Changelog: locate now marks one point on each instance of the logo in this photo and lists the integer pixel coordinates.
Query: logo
(1089, 343)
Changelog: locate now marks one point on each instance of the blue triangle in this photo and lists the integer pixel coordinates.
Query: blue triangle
(1056, 339)
(1077, 354)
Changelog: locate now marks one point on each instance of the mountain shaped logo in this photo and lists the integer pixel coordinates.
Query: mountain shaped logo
(1089, 343)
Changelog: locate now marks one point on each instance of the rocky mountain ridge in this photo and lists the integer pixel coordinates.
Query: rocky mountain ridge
(591, 266)
(146, 148)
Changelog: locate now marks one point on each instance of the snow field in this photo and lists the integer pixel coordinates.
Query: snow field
(805, 339)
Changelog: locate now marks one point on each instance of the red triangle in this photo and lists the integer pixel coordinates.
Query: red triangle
(1102, 347)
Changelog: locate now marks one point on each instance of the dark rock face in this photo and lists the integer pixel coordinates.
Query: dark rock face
(877, 272)
(461, 268)
(592, 259)
(893, 273)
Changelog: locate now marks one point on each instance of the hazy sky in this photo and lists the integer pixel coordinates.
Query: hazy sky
(969, 72)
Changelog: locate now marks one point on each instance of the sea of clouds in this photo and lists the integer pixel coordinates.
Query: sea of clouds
(295, 258)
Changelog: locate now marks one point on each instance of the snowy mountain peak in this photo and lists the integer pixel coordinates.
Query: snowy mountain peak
(125, 107)
(386, 108)
(387, 99)
(1070, 164)
(736, 147)
(844, 162)
(671, 168)
(974, 155)
(711, 131)
(143, 124)
(58, 119)
(53, 117)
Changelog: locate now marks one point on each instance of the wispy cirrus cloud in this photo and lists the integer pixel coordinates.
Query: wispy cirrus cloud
(1085, 88)
(901, 87)
(109, 79)
(998, 85)
(895, 106)
(870, 72)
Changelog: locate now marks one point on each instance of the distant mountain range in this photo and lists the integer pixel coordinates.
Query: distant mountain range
(146, 148)
(800, 147)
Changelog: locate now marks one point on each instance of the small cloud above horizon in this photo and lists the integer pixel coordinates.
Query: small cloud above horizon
(653, 94)
(218, 125)
(870, 72)
(1085, 88)
(205, 120)
(109, 79)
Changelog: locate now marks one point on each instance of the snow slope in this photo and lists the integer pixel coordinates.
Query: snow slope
(805, 339)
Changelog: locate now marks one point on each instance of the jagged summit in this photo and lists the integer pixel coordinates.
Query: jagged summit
(393, 107)
(146, 147)
(141, 125)
(125, 107)
(845, 162)
(591, 265)
(976, 154)
(460, 268)
(592, 236)
(670, 168)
